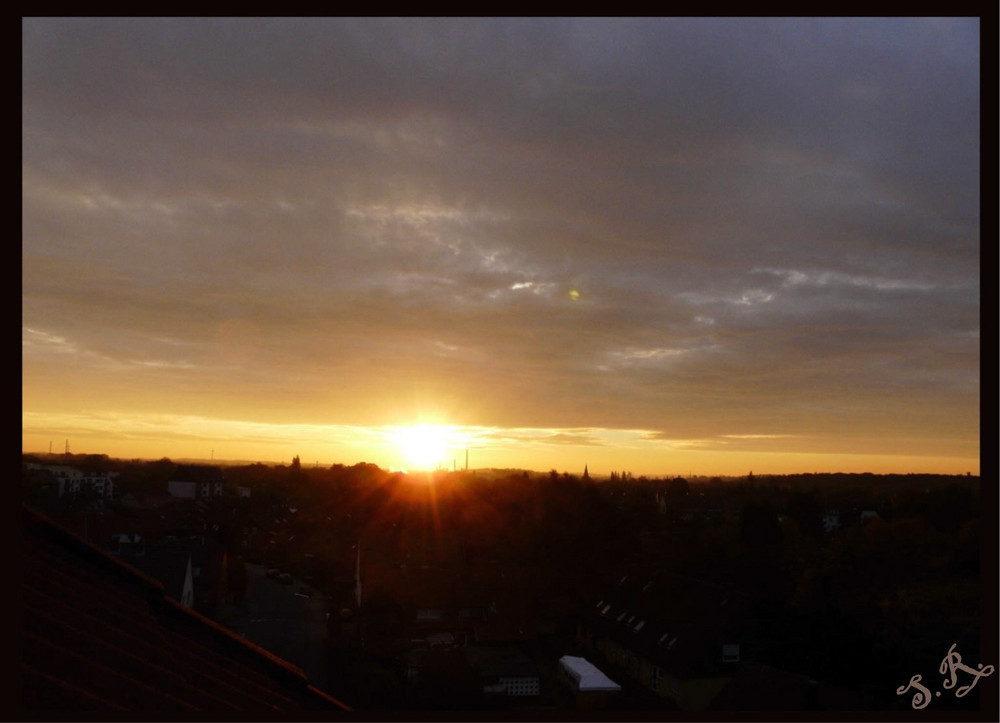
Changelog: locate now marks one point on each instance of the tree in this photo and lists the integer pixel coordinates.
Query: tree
(677, 487)
(947, 508)
(807, 512)
(759, 525)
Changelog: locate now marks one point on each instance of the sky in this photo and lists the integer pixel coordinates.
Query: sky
(667, 246)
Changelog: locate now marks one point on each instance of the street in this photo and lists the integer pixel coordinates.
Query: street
(283, 620)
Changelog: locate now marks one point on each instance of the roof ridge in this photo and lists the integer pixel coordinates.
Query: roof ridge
(172, 613)
(31, 517)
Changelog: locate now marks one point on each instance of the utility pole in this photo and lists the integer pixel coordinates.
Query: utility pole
(357, 578)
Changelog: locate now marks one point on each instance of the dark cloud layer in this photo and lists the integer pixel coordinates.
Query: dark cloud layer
(701, 227)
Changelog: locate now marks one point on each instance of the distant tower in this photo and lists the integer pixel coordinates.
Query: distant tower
(66, 452)
(466, 460)
(586, 472)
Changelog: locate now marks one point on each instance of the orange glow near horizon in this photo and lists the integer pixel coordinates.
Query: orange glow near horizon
(427, 446)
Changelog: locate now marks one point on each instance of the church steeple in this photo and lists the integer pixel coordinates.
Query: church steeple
(586, 473)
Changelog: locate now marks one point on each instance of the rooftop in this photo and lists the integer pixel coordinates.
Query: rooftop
(586, 674)
(99, 635)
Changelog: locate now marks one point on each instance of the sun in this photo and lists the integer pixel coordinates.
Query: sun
(423, 446)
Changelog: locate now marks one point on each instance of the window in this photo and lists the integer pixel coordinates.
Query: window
(731, 653)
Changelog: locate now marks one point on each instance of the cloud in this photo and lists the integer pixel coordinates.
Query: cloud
(545, 223)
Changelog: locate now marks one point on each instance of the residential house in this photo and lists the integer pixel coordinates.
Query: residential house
(678, 637)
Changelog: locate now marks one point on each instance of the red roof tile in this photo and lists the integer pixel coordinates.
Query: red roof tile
(97, 634)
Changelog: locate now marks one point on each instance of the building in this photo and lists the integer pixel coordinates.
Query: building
(191, 570)
(71, 481)
(678, 637)
(184, 490)
(504, 671)
(196, 481)
(687, 641)
(831, 521)
(591, 688)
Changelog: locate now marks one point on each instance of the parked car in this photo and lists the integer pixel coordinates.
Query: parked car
(273, 573)
(285, 578)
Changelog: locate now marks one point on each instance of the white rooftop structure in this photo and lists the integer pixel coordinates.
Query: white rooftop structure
(586, 674)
